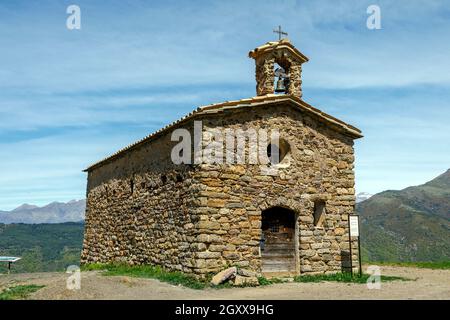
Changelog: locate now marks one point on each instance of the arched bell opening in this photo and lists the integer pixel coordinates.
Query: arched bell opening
(279, 241)
(281, 75)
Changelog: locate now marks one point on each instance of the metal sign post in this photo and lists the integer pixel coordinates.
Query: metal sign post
(9, 260)
(350, 248)
(359, 249)
(354, 232)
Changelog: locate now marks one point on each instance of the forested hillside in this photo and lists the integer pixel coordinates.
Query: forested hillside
(43, 247)
(408, 225)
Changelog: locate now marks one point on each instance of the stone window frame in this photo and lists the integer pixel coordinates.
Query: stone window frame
(319, 213)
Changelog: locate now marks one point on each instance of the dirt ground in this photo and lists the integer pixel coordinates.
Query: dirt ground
(425, 284)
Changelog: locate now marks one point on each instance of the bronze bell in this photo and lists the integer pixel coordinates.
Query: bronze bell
(280, 85)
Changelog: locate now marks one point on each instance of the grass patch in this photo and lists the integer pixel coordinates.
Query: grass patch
(149, 271)
(94, 266)
(179, 278)
(19, 292)
(445, 265)
(159, 273)
(343, 277)
(263, 281)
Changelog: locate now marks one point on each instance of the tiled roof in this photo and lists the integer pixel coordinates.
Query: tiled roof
(250, 102)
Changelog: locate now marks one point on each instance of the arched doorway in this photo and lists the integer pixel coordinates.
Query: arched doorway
(278, 243)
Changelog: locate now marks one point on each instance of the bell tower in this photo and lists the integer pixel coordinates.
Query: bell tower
(290, 60)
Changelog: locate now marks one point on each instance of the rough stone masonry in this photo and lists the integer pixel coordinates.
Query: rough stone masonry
(201, 218)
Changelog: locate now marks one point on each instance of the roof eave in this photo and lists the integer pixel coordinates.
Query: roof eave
(345, 128)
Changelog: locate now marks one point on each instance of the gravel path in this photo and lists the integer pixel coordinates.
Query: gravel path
(426, 284)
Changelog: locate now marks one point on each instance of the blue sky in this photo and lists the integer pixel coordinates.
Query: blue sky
(69, 98)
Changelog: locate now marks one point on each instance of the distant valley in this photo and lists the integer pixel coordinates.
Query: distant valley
(43, 247)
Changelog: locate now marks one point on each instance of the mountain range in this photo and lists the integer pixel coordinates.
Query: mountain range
(55, 212)
(408, 225)
(412, 224)
(362, 196)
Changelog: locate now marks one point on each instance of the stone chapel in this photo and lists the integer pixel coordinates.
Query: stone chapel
(200, 218)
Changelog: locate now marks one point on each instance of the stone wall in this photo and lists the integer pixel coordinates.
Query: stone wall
(202, 218)
(139, 210)
(265, 75)
(295, 85)
(232, 197)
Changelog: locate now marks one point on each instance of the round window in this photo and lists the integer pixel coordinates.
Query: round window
(277, 152)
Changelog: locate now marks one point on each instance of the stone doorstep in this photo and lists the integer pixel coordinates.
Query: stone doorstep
(280, 274)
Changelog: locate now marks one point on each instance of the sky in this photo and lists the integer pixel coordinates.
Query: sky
(71, 97)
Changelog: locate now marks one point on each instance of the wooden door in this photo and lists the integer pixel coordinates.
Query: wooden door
(278, 241)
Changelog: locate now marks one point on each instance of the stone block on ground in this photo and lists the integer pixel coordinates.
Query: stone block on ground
(246, 273)
(223, 276)
(245, 281)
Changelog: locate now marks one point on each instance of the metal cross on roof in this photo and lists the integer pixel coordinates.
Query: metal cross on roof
(280, 32)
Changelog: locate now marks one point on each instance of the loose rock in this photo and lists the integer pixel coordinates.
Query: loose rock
(223, 276)
(245, 281)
